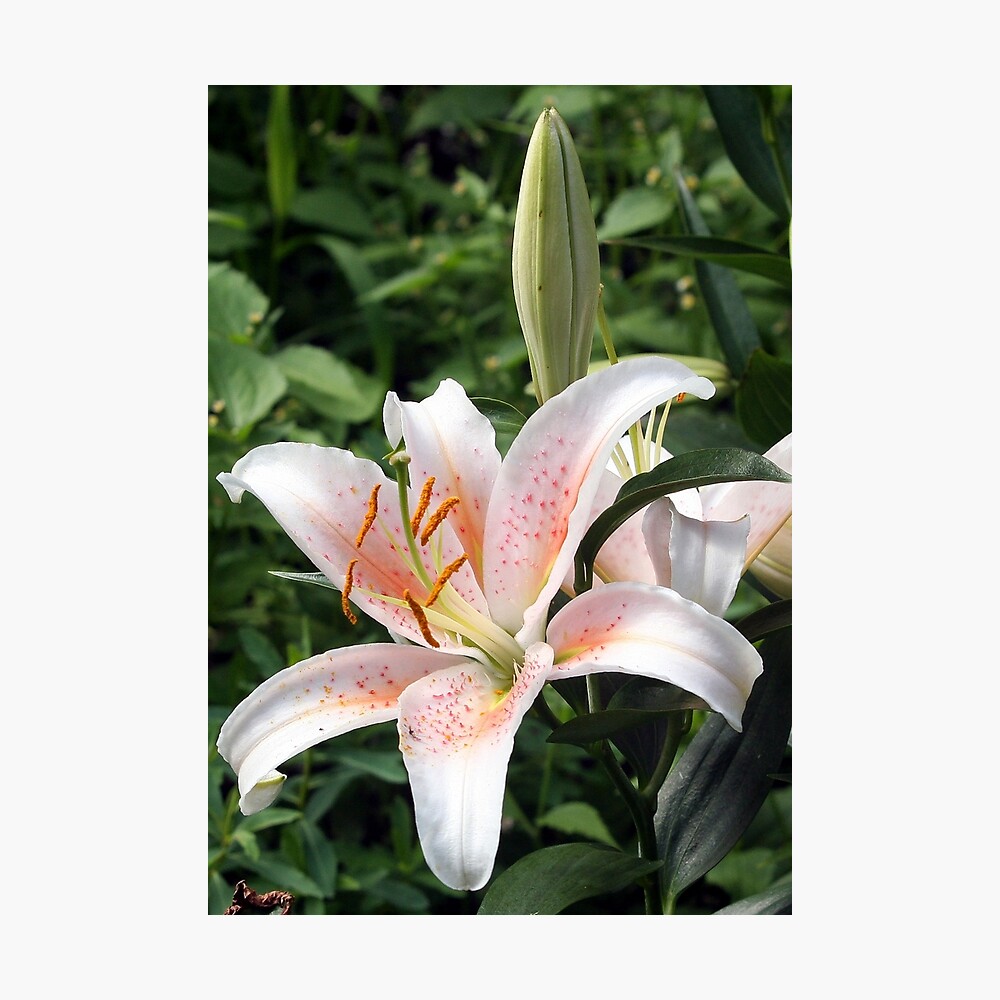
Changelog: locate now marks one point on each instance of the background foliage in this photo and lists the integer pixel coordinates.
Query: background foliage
(359, 240)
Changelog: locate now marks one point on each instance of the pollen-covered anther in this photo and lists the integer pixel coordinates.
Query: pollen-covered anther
(345, 593)
(422, 504)
(436, 518)
(442, 579)
(680, 397)
(369, 516)
(418, 613)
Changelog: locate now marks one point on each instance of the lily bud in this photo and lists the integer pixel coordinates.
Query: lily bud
(556, 264)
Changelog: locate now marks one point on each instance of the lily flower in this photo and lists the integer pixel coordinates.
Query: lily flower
(461, 567)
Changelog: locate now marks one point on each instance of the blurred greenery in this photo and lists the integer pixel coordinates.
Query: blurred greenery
(359, 240)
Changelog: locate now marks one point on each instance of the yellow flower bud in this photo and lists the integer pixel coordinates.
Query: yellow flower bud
(556, 264)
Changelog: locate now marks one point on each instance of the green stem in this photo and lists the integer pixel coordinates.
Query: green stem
(678, 723)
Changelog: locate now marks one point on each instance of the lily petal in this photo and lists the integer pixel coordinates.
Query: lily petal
(623, 556)
(448, 438)
(541, 504)
(768, 504)
(313, 701)
(701, 560)
(456, 733)
(634, 628)
(320, 497)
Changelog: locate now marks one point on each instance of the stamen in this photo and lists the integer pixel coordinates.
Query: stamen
(369, 517)
(418, 613)
(680, 397)
(451, 568)
(422, 504)
(436, 518)
(345, 593)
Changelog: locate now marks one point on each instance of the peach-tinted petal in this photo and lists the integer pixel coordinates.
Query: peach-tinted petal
(541, 504)
(448, 438)
(313, 701)
(634, 628)
(320, 497)
(701, 560)
(768, 504)
(456, 733)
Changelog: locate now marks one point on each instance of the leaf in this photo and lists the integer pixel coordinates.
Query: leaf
(737, 114)
(764, 399)
(247, 383)
(264, 820)
(578, 819)
(384, 764)
(281, 166)
(693, 469)
(727, 309)
(766, 620)
(596, 726)
(504, 417)
(719, 784)
(633, 210)
(549, 880)
(777, 899)
(330, 386)
(321, 859)
(729, 253)
(260, 651)
(235, 304)
(333, 209)
(317, 578)
(281, 875)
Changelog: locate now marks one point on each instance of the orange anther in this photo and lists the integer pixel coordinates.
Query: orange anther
(422, 504)
(451, 568)
(418, 613)
(680, 397)
(345, 593)
(436, 518)
(369, 517)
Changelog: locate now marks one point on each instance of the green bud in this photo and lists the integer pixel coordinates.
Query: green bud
(556, 264)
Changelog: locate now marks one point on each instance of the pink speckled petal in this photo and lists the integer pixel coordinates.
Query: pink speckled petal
(623, 556)
(634, 628)
(541, 504)
(456, 732)
(449, 439)
(320, 497)
(768, 504)
(313, 701)
(701, 560)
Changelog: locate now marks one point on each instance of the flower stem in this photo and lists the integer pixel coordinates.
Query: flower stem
(678, 723)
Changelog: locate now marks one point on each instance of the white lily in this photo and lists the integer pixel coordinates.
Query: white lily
(698, 542)
(466, 594)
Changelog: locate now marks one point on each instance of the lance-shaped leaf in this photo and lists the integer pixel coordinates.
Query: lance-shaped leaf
(728, 253)
(694, 469)
(719, 784)
(764, 399)
(766, 620)
(553, 878)
(727, 309)
(504, 417)
(777, 899)
(737, 114)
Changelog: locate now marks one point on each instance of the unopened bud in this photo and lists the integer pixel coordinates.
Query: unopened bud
(556, 264)
(773, 567)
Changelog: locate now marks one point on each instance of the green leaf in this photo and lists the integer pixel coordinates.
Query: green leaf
(266, 818)
(764, 399)
(719, 784)
(279, 874)
(260, 651)
(247, 383)
(696, 468)
(645, 694)
(229, 176)
(633, 210)
(766, 620)
(281, 166)
(727, 309)
(549, 880)
(384, 764)
(504, 417)
(321, 859)
(587, 729)
(317, 578)
(331, 208)
(777, 899)
(737, 114)
(728, 253)
(579, 819)
(743, 873)
(330, 386)
(235, 304)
